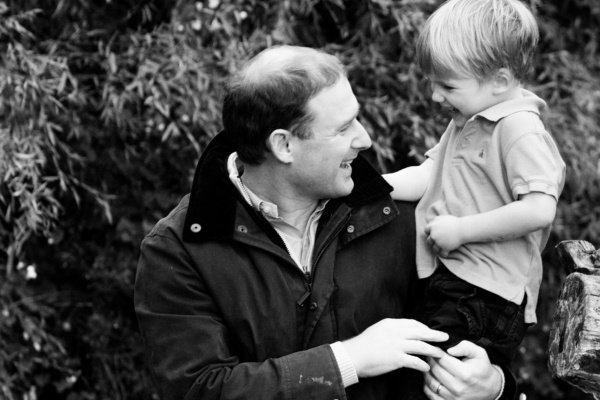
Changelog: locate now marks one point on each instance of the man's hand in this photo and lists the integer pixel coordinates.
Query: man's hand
(391, 344)
(465, 374)
(445, 234)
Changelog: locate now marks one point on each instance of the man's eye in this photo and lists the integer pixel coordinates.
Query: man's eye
(346, 127)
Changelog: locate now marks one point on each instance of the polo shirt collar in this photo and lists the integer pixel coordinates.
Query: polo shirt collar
(529, 102)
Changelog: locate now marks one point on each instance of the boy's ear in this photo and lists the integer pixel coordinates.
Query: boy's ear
(503, 80)
(279, 143)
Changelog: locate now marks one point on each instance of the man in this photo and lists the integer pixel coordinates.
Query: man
(288, 271)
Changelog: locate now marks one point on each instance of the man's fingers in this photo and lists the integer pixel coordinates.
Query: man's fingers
(414, 330)
(415, 363)
(429, 335)
(468, 350)
(446, 363)
(432, 388)
(437, 374)
(422, 349)
(391, 344)
(465, 350)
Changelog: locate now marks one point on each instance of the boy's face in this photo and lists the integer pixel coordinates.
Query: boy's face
(463, 97)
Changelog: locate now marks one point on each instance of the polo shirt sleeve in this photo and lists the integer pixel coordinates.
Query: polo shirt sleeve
(533, 163)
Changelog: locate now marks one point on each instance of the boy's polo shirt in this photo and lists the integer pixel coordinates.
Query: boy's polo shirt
(500, 154)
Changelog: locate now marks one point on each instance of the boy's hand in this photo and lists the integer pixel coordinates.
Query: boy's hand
(445, 234)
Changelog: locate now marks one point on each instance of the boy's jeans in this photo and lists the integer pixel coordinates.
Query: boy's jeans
(467, 312)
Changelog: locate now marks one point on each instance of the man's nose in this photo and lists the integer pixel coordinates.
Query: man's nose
(362, 141)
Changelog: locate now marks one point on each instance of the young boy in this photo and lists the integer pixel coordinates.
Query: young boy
(489, 188)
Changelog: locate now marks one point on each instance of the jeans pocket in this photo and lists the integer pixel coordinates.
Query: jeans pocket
(472, 308)
(511, 323)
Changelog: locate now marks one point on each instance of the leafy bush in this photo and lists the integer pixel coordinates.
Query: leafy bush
(107, 106)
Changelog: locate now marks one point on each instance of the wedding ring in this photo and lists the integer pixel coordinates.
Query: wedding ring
(437, 391)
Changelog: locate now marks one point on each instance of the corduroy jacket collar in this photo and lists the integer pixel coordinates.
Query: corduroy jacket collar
(213, 199)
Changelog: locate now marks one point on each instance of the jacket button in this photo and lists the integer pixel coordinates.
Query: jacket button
(350, 228)
(386, 210)
(313, 306)
(195, 228)
(242, 229)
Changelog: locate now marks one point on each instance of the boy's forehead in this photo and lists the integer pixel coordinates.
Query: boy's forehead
(448, 76)
(458, 73)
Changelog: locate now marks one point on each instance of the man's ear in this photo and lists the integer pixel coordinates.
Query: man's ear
(279, 143)
(503, 80)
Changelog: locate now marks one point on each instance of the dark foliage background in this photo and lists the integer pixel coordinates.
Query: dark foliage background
(106, 105)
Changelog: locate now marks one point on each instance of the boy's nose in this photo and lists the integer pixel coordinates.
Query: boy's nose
(436, 96)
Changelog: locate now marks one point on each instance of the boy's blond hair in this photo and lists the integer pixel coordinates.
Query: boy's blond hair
(478, 37)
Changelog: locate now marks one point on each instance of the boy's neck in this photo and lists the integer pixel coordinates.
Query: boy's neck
(514, 92)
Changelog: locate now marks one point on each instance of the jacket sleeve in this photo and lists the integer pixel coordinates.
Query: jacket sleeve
(510, 384)
(189, 347)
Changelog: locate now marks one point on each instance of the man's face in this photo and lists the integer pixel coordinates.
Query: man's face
(321, 166)
(462, 97)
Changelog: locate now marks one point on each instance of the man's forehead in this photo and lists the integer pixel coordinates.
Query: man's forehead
(335, 104)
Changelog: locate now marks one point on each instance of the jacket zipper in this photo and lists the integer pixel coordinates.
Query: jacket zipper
(305, 275)
(308, 278)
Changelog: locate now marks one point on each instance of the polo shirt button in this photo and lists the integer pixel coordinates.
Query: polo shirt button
(313, 306)
(387, 210)
(350, 229)
(195, 228)
(242, 229)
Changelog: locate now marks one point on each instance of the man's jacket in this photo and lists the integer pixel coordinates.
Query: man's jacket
(225, 313)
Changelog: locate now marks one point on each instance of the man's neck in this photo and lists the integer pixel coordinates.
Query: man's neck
(267, 185)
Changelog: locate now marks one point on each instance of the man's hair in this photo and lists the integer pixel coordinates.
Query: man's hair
(271, 92)
(478, 37)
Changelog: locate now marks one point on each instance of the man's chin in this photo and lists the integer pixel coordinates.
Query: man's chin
(341, 187)
(345, 189)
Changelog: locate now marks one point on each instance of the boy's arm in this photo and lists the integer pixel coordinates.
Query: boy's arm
(410, 183)
(532, 212)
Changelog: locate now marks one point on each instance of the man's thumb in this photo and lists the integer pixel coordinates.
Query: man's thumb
(468, 350)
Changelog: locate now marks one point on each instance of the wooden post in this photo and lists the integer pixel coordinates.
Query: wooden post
(574, 345)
